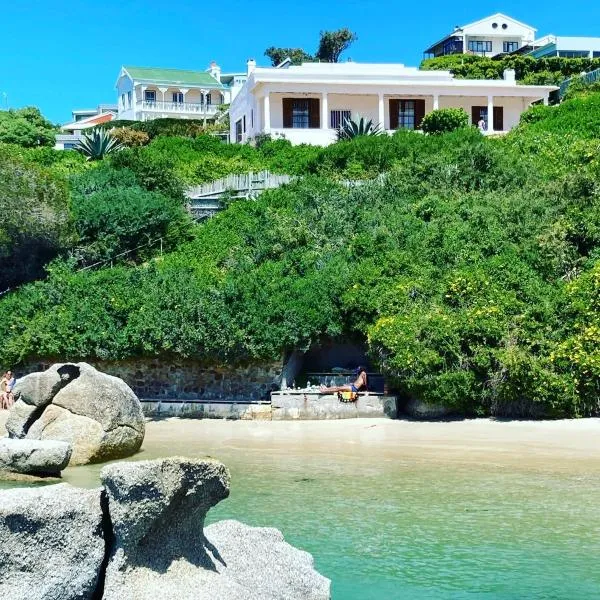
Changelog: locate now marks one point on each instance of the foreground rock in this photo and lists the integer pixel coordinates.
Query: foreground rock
(161, 550)
(51, 543)
(34, 457)
(98, 414)
(151, 515)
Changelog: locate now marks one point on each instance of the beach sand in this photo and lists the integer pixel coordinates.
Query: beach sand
(563, 444)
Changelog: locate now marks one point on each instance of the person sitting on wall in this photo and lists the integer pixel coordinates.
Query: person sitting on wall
(360, 383)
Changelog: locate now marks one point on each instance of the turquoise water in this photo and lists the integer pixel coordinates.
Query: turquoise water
(387, 521)
(421, 531)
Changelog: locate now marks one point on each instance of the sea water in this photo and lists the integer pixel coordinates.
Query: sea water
(387, 521)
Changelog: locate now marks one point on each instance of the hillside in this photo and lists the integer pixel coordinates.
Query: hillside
(470, 268)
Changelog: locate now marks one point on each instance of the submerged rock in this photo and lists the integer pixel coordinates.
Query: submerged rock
(51, 543)
(34, 457)
(98, 414)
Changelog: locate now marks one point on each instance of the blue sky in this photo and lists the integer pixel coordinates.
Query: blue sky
(66, 54)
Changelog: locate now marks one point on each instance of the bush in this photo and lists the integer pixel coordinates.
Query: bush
(444, 120)
(130, 137)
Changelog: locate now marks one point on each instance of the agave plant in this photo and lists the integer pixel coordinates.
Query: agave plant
(352, 128)
(96, 144)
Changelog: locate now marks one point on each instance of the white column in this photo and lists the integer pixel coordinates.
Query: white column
(163, 91)
(490, 124)
(546, 100)
(436, 101)
(266, 114)
(381, 110)
(324, 111)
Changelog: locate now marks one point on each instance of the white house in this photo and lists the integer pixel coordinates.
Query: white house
(564, 46)
(146, 93)
(307, 103)
(496, 34)
(83, 119)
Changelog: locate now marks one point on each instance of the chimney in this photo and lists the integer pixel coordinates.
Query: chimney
(215, 70)
(251, 65)
(509, 75)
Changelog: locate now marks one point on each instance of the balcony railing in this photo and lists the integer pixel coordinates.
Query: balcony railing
(179, 107)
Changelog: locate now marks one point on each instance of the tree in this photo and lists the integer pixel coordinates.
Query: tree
(26, 127)
(278, 55)
(333, 43)
(331, 46)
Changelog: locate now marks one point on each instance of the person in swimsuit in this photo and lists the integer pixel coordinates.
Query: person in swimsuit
(360, 383)
(8, 399)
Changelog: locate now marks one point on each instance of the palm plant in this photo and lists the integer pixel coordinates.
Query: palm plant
(352, 128)
(96, 144)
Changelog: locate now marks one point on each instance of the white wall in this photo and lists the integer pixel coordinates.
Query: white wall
(125, 111)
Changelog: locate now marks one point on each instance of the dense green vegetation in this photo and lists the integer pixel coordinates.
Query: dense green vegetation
(528, 69)
(26, 127)
(469, 265)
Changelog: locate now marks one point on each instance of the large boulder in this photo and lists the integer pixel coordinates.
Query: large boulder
(34, 457)
(51, 543)
(161, 550)
(98, 414)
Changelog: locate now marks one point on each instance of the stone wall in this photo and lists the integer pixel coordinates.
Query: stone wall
(187, 379)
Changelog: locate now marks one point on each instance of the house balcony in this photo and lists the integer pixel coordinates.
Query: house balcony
(186, 109)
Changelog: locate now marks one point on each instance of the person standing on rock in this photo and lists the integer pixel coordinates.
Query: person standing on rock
(6, 387)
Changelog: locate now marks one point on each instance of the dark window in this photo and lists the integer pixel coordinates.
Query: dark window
(244, 124)
(495, 25)
(70, 145)
(406, 114)
(510, 46)
(300, 114)
(596, 54)
(504, 26)
(208, 99)
(238, 131)
(480, 46)
(252, 118)
(178, 97)
(338, 117)
(150, 95)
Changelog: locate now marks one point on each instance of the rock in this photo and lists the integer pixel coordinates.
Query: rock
(160, 550)
(424, 410)
(34, 457)
(51, 543)
(33, 392)
(98, 414)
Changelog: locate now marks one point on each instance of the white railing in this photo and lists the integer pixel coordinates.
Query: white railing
(179, 107)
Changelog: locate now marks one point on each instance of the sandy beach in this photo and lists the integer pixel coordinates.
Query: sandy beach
(571, 444)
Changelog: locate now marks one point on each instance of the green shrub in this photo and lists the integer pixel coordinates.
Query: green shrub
(444, 120)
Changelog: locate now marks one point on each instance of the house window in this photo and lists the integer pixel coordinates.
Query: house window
(510, 46)
(480, 46)
(596, 54)
(252, 118)
(244, 124)
(239, 134)
(573, 53)
(178, 97)
(301, 113)
(208, 100)
(150, 95)
(406, 114)
(338, 117)
(129, 99)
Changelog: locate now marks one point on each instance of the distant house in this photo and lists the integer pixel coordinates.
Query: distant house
(83, 119)
(496, 34)
(566, 47)
(308, 103)
(146, 93)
